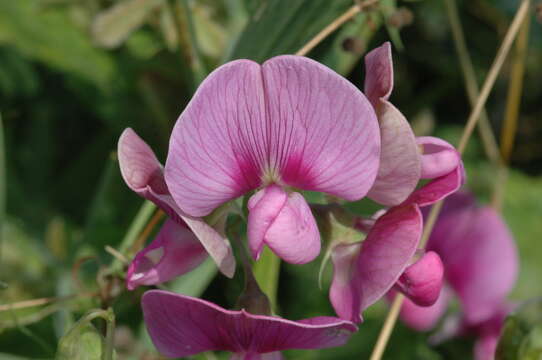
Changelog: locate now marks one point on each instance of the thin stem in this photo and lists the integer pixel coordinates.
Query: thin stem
(493, 72)
(196, 56)
(385, 333)
(484, 127)
(391, 318)
(513, 102)
(41, 301)
(135, 228)
(334, 25)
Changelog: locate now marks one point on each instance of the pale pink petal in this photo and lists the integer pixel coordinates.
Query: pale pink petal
(264, 207)
(378, 74)
(479, 255)
(387, 251)
(293, 234)
(182, 326)
(422, 281)
(324, 132)
(217, 148)
(439, 188)
(174, 251)
(424, 318)
(143, 173)
(400, 166)
(290, 121)
(217, 245)
(438, 157)
(344, 294)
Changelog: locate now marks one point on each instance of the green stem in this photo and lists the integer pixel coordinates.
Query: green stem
(266, 272)
(196, 60)
(134, 230)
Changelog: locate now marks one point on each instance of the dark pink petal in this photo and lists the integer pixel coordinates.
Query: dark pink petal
(424, 318)
(344, 294)
(378, 74)
(439, 188)
(387, 251)
(422, 281)
(285, 223)
(174, 251)
(480, 258)
(485, 346)
(290, 121)
(143, 173)
(400, 165)
(182, 326)
(438, 157)
(276, 355)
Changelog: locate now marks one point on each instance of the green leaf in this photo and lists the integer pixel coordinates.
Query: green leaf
(284, 26)
(84, 342)
(113, 26)
(195, 282)
(266, 272)
(51, 37)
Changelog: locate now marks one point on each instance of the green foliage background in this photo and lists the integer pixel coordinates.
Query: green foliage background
(75, 73)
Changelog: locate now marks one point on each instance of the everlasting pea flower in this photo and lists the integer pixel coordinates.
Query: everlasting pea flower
(290, 123)
(182, 326)
(364, 271)
(184, 241)
(404, 159)
(481, 264)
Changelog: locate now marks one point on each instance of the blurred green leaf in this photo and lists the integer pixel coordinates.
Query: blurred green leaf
(2, 186)
(195, 282)
(113, 26)
(84, 342)
(521, 337)
(51, 38)
(284, 26)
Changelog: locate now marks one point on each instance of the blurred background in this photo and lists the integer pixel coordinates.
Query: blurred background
(75, 73)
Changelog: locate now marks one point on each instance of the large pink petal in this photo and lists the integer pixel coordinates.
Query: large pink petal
(439, 188)
(182, 326)
(174, 251)
(378, 74)
(480, 258)
(290, 121)
(324, 132)
(344, 294)
(387, 251)
(143, 173)
(424, 318)
(285, 223)
(422, 281)
(438, 157)
(400, 166)
(218, 146)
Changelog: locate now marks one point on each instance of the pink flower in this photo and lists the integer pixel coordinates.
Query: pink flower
(481, 264)
(404, 159)
(184, 241)
(181, 326)
(364, 271)
(288, 124)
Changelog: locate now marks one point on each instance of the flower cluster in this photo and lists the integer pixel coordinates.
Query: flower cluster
(267, 132)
